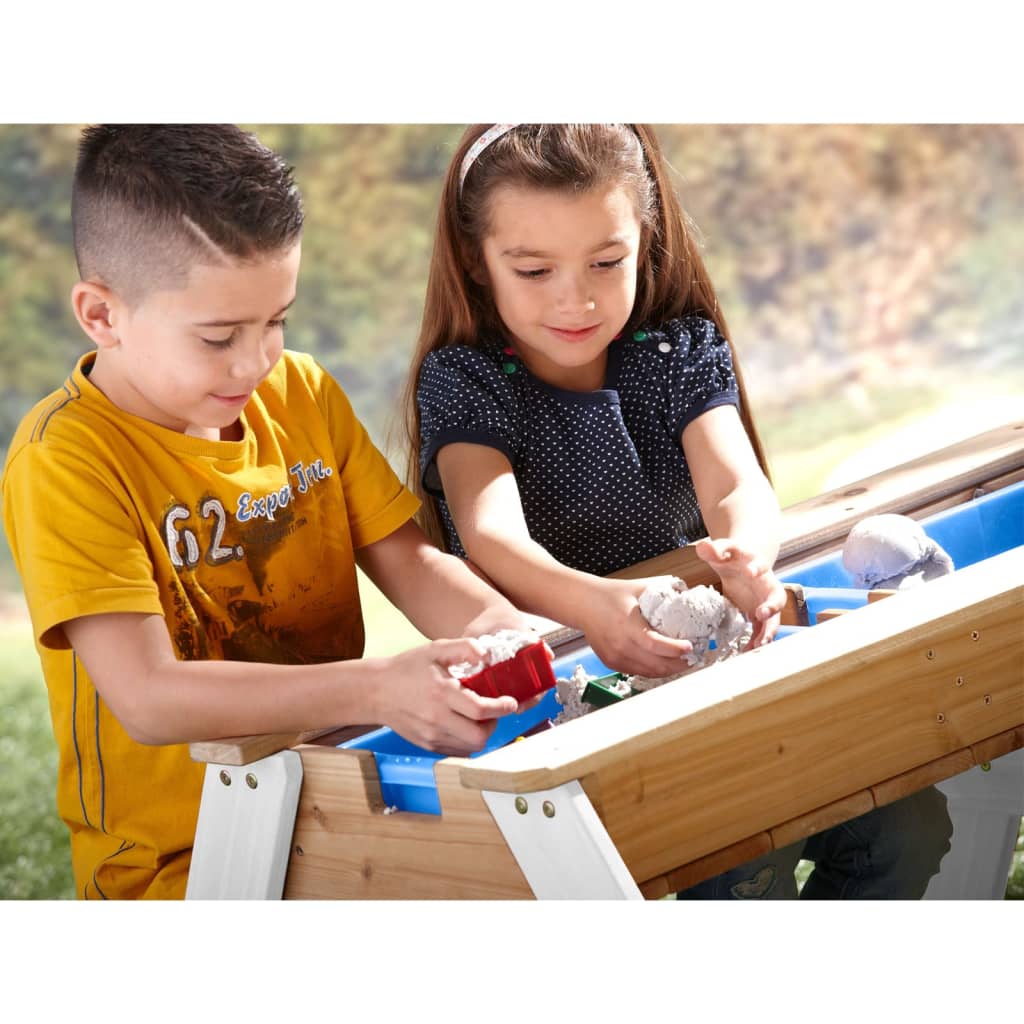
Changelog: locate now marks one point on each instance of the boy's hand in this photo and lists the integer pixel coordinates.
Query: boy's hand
(425, 704)
(748, 583)
(622, 638)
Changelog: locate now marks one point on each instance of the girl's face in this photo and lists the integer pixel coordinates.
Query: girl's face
(562, 271)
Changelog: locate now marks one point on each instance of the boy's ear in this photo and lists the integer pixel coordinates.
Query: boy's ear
(97, 310)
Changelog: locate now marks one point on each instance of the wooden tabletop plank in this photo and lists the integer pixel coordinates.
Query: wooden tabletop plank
(918, 488)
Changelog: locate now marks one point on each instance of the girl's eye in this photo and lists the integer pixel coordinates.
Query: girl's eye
(531, 275)
(610, 264)
(275, 324)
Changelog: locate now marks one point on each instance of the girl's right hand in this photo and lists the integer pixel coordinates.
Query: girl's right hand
(622, 638)
(417, 697)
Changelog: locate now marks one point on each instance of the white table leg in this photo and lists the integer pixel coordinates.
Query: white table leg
(986, 808)
(561, 845)
(245, 826)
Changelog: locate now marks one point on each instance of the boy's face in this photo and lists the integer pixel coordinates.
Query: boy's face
(562, 272)
(190, 359)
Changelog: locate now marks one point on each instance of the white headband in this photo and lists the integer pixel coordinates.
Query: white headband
(494, 132)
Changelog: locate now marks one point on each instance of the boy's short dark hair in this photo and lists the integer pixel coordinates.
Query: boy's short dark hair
(149, 201)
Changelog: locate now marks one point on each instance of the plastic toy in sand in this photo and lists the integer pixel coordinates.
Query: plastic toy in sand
(515, 664)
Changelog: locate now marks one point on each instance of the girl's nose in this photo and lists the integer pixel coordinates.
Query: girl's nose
(575, 295)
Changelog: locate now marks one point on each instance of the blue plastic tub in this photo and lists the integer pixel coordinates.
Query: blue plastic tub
(969, 533)
(407, 771)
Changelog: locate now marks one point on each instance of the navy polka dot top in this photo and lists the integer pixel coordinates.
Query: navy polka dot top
(602, 475)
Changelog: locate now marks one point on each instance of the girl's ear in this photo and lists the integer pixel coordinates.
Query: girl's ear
(96, 308)
(477, 271)
(472, 260)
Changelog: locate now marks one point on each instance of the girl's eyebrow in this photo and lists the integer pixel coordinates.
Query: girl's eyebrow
(521, 252)
(236, 323)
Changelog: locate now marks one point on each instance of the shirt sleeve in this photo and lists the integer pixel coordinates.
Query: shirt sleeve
(76, 540)
(700, 371)
(463, 396)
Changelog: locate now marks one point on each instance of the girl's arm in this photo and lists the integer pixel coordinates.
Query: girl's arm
(742, 515)
(439, 593)
(483, 497)
(159, 699)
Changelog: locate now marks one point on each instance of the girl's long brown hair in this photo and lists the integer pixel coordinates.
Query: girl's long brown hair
(671, 278)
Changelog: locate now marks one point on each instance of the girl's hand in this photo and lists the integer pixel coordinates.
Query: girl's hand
(418, 698)
(622, 638)
(749, 584)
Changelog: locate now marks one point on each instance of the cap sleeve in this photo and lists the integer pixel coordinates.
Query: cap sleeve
(701, 374)
(463, 395)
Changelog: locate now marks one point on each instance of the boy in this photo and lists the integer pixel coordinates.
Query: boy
(187, 512)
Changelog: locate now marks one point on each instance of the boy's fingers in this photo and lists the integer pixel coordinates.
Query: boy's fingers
(451, 652)
(471, 705)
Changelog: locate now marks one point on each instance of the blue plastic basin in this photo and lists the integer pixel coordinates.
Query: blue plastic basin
(407, 771)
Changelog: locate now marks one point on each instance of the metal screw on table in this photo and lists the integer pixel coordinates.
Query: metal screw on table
(521, 806)
(225, 778)
(251, 781)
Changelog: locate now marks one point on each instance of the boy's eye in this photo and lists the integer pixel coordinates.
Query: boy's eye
(275, 324)
(221, 342)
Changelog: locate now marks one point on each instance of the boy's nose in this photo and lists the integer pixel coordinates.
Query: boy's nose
(251, 361)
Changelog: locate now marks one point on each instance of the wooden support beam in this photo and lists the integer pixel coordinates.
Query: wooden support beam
(707, 867)
(238, 750)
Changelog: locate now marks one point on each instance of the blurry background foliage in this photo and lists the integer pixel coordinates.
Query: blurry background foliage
(872, 277)
(867, 272)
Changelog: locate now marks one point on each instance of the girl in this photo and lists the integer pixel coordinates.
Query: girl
(575, 407)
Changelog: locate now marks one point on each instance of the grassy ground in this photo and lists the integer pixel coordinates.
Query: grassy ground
(35, 861)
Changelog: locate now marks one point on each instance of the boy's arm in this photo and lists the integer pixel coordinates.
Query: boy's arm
(741, 512)
(159, 699)
(483, 497)
(439, 593)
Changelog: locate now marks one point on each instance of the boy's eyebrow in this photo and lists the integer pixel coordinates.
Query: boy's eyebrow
(236, 323)
(519, 252)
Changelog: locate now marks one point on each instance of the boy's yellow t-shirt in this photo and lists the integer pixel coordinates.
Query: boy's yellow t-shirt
(245, 547)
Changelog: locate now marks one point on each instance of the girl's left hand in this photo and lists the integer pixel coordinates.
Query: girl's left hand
(748, 583)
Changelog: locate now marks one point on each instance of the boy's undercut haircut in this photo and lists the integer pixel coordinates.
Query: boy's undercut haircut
(150, 201)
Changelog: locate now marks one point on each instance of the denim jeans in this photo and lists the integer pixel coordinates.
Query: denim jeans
(890, 853)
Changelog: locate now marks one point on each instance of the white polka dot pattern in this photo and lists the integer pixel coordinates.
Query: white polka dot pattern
(602, 475)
